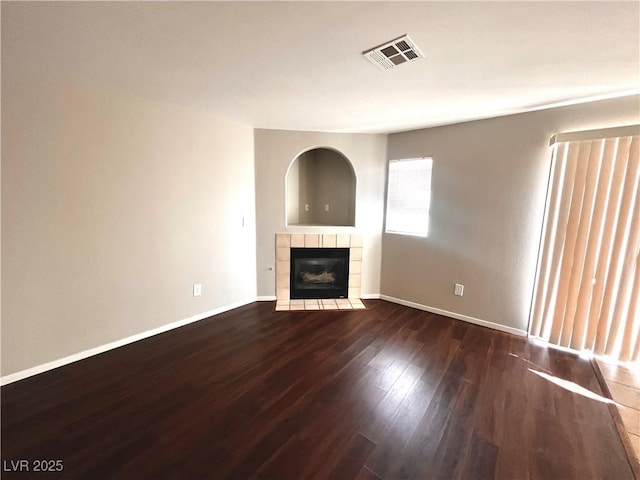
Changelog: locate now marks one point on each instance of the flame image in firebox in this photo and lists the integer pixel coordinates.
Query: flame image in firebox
(319, 273)
(324, 277)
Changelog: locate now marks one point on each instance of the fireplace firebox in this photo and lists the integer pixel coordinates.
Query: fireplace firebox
(319, 273)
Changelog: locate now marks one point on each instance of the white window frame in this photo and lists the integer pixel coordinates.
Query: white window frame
(408, 189)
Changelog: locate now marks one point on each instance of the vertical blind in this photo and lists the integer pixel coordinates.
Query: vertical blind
(588, 284)
(409, 196)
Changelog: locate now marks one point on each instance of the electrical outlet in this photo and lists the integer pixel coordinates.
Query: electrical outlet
(326, 207)
(197, 289)
(306, 207)
(458, 289)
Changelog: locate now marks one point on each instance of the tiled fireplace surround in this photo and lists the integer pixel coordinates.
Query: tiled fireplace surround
(286, 241)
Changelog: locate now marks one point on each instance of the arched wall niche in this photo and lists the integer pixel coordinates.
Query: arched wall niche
(321, 189)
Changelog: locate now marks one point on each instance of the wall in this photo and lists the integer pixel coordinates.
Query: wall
(112, 208)
(487, 201)
(335, 186)
(319, 177)
(274, 152)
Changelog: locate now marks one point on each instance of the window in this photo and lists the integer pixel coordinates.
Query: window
(409, 196)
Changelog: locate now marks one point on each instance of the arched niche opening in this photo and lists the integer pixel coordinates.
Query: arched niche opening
(321, 189)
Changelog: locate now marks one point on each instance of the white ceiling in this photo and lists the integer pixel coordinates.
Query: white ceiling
(298, 65)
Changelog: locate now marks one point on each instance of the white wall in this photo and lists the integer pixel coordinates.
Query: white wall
(274, 152)
(112, 208)
(294, 192)
(487, 201)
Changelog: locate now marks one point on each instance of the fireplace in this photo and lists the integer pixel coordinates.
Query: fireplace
(286, 242)
(319, 273)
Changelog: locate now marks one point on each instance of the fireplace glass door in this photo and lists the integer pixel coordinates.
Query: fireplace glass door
(319, 273)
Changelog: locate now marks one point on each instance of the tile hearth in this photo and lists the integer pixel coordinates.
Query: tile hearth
(320, 304)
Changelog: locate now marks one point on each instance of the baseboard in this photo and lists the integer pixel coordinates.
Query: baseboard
(370, 296)
(266, 298)
(457, 316)
(29, 372)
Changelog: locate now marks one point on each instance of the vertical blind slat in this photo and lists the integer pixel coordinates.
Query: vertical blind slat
(636, 351)
(593, 245)
(631, 331)
(577, 154)
(556, 248)
(611, 209)
(591, 160)
(623, 297)
(628, 251)
(553, 198)
(617, 254)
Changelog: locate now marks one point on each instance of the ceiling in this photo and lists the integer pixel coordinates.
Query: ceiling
(298, 65)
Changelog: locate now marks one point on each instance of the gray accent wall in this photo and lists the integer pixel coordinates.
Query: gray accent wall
(487, 201)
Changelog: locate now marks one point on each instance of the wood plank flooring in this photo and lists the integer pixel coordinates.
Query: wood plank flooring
(384, 393)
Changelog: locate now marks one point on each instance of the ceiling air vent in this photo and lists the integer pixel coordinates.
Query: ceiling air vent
(394, 53)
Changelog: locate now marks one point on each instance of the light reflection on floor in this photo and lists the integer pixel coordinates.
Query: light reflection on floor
(405, 383)
(530, 363)
(567, 385)
(398, 379)
(573, 387)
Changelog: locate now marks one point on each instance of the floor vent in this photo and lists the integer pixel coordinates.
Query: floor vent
(394, 53)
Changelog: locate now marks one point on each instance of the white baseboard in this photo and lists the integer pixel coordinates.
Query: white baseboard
(266, 298)
(370, 296)
(29, 372)
(457, 316)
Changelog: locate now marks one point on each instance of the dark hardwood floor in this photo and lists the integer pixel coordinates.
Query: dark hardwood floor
(390, 392)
